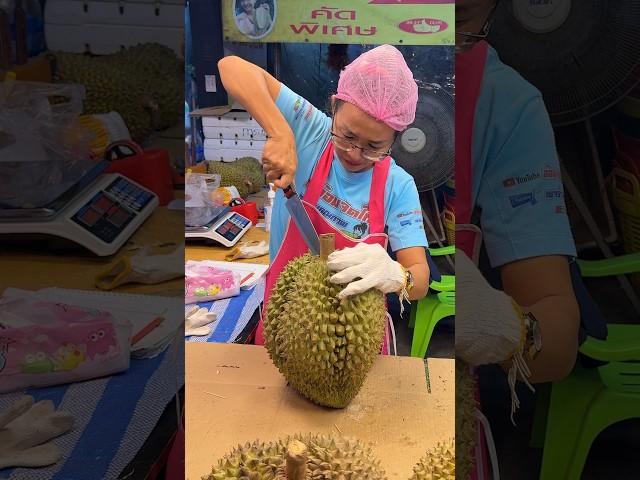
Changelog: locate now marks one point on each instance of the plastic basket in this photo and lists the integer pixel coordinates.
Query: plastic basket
(626, 200)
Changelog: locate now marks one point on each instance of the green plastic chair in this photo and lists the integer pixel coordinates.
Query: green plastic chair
(571, 413)
(428, 311)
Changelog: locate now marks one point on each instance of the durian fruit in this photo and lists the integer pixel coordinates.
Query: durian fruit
(144, 84)
(438, 464)
(323, 346)
(107, 88)
(466, 423)
(301, 457)
(163, 75)
(245, 174)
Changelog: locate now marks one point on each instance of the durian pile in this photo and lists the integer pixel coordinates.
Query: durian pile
(301, 457)
(323, 346)
(143, 83)
(245, 174)
(320, 457)
(438, 464)
(466, 423)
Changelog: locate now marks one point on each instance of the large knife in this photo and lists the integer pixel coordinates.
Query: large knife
(302, 220)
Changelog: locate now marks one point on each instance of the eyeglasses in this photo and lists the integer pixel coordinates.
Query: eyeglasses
(346, 146)
(471, 38)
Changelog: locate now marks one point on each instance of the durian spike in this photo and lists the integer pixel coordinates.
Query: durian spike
(296, 458)
(327, 245)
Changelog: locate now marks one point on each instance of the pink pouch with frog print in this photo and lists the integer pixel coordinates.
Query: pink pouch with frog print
(206, 283)
(44, 344)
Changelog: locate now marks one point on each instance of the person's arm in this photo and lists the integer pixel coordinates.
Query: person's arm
(414, 259)
(490, 329)
(542, 285)
(256, 90)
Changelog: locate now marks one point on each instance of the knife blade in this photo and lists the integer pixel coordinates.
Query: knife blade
(301, 219)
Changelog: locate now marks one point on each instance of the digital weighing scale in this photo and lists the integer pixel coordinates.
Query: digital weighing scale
(226, 229)
(100, 213)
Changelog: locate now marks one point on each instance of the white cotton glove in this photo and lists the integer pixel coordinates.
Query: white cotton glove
(143, 267)
(488, 329)
(371, 264)
(195, 322)
(26, 430)
(248, 250)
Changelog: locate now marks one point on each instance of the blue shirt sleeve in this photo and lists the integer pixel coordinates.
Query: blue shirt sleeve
(523, 212)
(307, 122)
(310, 128)
(404, 212)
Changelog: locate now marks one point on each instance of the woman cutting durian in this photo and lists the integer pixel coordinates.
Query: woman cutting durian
(341, 167)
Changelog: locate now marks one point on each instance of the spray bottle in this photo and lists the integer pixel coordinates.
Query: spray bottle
(268, 207)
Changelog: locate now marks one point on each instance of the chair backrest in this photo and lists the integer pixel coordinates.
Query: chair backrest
(621, 376)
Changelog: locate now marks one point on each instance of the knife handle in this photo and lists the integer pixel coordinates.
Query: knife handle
(289, 192)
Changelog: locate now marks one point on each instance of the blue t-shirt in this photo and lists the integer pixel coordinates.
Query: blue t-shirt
(516, 174)
(345, 199)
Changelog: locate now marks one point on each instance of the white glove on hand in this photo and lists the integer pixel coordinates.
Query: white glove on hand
(371, 263)
(143, 267)
(25, 431)
(488, 329)
(195, 321)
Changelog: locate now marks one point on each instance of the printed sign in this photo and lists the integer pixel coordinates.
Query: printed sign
(406, 22)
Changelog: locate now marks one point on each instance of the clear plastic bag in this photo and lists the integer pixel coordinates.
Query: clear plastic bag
(43, 148)
(202, 204)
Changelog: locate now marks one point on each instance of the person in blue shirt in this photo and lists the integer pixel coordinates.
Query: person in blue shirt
(513, 210)
(341, 166)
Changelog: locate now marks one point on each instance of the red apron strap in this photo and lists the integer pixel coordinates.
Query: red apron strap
(469, 73)
(319, 176)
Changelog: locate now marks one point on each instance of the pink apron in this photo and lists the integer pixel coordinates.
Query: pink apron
(293, 244)
(469, 73)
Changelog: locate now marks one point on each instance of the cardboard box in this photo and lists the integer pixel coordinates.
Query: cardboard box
(234, 394)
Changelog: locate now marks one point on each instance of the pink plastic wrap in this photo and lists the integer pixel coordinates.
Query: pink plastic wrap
(44, 343)
(205, 283)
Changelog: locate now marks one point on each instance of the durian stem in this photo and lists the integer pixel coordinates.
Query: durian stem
(296, 459)
(327, 245)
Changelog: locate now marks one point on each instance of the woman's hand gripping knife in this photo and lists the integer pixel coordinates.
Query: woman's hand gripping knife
(257, 91)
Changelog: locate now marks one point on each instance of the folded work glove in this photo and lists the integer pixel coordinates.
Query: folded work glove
(371, 264)
(196, 321)
(26, 430)
(248, 250)
(488, 327)
(143, 267)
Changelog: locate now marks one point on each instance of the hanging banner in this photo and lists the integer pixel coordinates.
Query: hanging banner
(398, 22)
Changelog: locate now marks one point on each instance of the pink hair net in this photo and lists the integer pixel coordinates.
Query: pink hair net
(380, 83)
